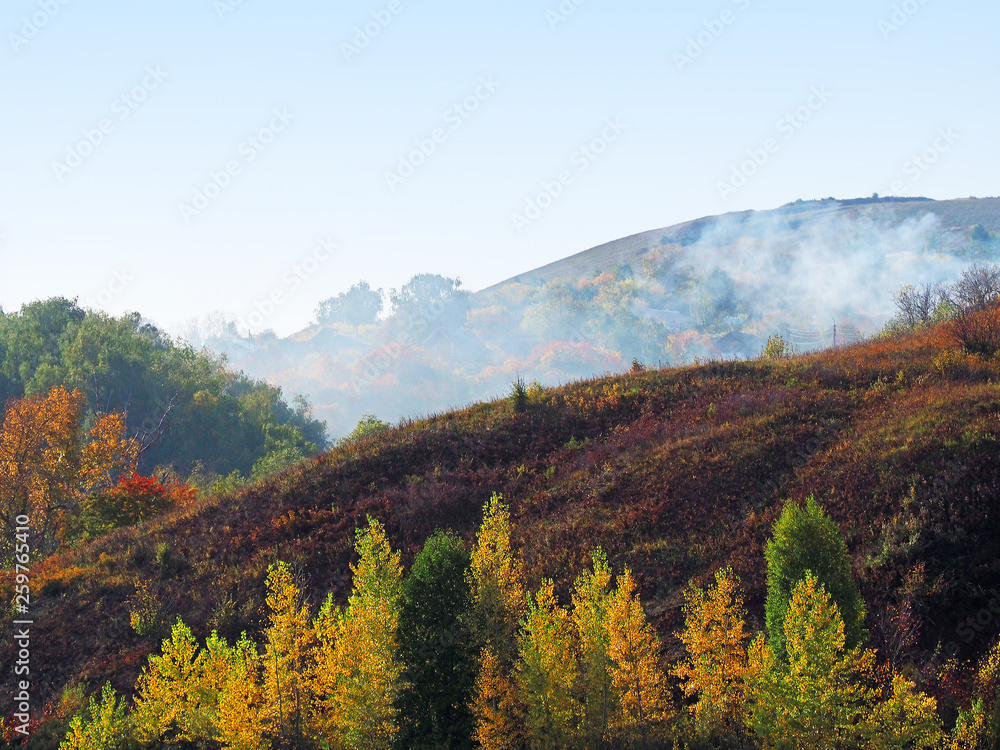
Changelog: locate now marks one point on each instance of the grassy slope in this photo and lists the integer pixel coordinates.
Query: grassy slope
(673, 472)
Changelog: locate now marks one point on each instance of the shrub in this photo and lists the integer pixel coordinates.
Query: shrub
(977, 331)
(519, 395)
(777, 348)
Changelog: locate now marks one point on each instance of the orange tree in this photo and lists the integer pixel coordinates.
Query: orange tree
(50, 463)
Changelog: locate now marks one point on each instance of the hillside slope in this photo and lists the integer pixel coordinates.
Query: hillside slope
(674, 472)
(786, 224)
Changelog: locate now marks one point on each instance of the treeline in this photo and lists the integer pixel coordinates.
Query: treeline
(192, 414)
(457, 654)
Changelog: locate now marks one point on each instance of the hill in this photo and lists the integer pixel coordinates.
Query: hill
(819, 272)
(674, 472)
(954, 217)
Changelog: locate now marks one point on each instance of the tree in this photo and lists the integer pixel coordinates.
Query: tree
(918, 306)
(435, 647)
(715, 639)
(814, 699)
(428, 301)
(49, 463)
(287, 657)
(497, 583)
(178, 691)
(103, 727)
(977, 289)
(498, 600)
(359, 305)
(357, 677)
(241, 700)
(548, 671)
(635, 670)
(495, 706)
(906, 720)
(809, 540)
(591, 607)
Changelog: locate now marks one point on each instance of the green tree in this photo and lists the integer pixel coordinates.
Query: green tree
(815, 699)
(103, 726)
(359, 305)
(435, 647)
(809, 540)
(428, 301)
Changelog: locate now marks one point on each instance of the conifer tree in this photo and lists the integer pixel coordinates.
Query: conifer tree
(808, 539)
(548, 672)
(358, 673)
(716, 642)
(635, 672)
(435, 648)
(591, 607)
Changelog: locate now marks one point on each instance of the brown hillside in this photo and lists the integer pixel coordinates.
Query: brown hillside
(674, 472)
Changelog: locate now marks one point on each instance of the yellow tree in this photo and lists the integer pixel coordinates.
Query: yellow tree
(906, 720)
(241, 702)
(591, 605)
(358, 672)
(177, 694)
(498, 601)
(635, 671)
(287, 657)
(816, 700)
(715, 639)
(549, 671)
(497, 583)
(495, 706)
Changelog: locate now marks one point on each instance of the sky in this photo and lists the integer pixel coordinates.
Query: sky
(182, 157)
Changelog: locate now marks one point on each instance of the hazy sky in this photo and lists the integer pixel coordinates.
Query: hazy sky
(178, 157)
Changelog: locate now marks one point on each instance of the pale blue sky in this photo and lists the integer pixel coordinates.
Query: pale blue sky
(324, 174)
